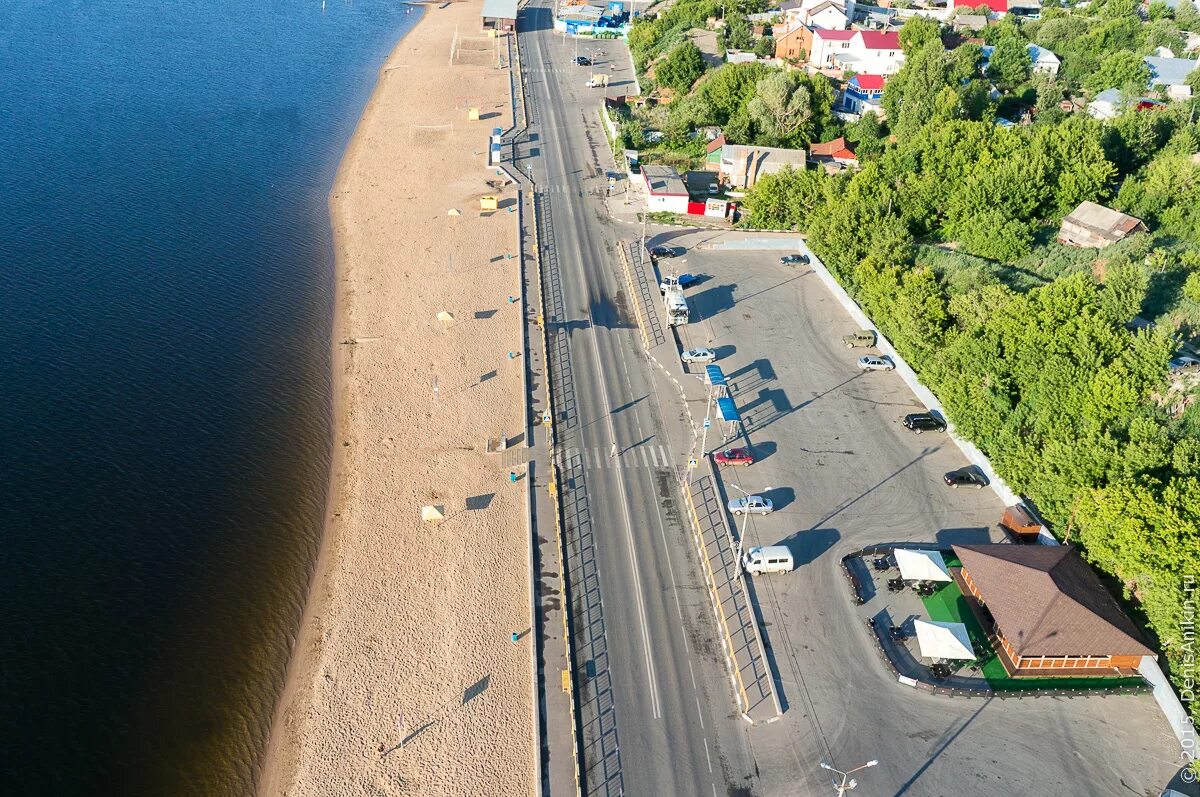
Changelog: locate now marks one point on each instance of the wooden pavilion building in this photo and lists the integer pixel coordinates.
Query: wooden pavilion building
(1047, 612)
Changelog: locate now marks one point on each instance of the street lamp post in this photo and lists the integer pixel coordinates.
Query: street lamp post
(745, 522)
(847, 783)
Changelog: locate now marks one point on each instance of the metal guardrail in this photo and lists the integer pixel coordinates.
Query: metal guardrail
(519, 76)
(710, 581)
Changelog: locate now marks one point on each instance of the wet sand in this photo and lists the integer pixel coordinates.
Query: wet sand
(407, 631)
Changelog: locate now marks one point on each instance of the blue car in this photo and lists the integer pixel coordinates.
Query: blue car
(683, 280)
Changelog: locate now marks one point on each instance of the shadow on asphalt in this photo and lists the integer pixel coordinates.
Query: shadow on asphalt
(808, 546)
(711, 301)
(781, 497)
(976, 535)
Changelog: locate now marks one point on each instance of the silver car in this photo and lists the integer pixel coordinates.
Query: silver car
(873, 362)
(1184, 364)
(751, 503)
(698, 356)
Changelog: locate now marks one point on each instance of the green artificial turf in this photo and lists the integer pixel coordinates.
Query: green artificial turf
(948, 605)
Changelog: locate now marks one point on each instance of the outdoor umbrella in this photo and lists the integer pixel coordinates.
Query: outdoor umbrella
(943, 640)
(921, 565)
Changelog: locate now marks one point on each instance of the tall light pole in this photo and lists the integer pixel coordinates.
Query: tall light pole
(847, 782)
(745, 522)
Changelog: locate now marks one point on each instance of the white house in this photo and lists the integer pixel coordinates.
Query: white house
(818, 13)
(828, 15)
(1106, 105)
(1040, 58)
(870, 51)
(1171, 74)
(665, 189)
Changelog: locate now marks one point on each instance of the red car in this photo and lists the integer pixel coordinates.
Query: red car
(734, 456)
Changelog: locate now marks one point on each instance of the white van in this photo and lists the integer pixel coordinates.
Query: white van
(768, 559)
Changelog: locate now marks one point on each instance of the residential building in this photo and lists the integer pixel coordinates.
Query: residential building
(665, 190)
(864, 93)
(870, 51)
(499, 14)
(1092, 225)
(1108, 104)
(998, 7)
(793, 43)
(740, 165)
(838, 153)
(1046, 611)
(1041, 59)
(828, 15)
(1171, 74)
(969, 22)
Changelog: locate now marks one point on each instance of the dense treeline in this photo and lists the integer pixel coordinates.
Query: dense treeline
(944, 237)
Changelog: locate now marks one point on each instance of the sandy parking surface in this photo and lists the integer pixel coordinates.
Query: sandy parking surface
(408, 630)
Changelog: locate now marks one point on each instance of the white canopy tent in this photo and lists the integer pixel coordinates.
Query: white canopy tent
(943, 640)
(921, 565)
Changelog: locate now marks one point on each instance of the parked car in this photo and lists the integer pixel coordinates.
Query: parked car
(683, 280)
(768, 559)
(873, 362)
(863, 337)
(924, 422)
(751, 503)
(698, 356)
(734, 456)
(967, 476)
(582, 60)
(1184, 364)
(666, 251)
(794, 260)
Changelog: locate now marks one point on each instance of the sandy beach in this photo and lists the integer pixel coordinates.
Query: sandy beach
(407, 632)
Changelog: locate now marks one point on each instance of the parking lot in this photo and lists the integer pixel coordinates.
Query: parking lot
(843, 473)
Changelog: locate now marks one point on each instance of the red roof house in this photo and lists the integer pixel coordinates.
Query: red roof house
(995, 6)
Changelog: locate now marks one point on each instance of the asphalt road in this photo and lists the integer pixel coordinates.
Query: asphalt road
(844, 473)
(656, 708)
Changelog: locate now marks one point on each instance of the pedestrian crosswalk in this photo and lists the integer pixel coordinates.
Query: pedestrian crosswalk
(641, 456)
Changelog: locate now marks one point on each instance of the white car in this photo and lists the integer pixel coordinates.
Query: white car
(698, 356)
(751, 503)
(873, 362)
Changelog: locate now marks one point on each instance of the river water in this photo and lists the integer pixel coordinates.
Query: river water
(165, 303)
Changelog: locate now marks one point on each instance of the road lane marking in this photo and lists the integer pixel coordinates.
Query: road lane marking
(693, 672)
(708, 757)
(700, 714)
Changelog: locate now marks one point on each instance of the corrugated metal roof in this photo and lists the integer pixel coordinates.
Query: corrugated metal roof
(499, 9)
(714, 375)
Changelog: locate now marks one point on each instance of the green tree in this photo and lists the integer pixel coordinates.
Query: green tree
(1125, 286)
(868, 136)
(964, 62)
(765, 47)
(911, 97)
(1187, 17)
(916, 32)
(1010, 64)
(782, 107)
(682, 67)
(1123, 70)
(785, 200)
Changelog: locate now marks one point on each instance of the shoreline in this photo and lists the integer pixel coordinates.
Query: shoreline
(304, 732)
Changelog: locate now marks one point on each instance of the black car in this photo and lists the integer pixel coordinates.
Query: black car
(924, 422)
(967, 476)
(665, 251)
(583, 60)
(794, 260)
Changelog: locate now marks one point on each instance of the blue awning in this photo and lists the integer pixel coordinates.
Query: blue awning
(729, 412)
(714, 375)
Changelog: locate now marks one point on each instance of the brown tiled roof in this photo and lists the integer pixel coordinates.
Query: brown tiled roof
(1047, 601)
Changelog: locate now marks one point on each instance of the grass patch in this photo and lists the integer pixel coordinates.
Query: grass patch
(948, 605)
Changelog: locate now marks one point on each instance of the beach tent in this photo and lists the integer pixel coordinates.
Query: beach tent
(921, 565)
(943, 640)
(433, 514)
